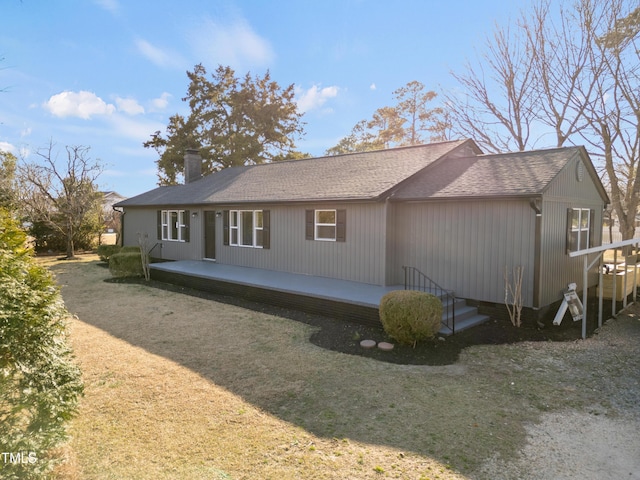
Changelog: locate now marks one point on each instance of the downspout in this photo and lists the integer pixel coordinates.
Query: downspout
(536, 205)
(121, 212)
(387, 229)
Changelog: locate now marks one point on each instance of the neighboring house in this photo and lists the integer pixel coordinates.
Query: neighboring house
(457, 215)
(112, 217)
(109, 199)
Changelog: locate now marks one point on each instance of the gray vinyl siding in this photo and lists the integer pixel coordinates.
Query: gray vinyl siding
(465, 245)
(360, 258)
(557, 268)
(567, 186)
(141, 220)
(144, 220)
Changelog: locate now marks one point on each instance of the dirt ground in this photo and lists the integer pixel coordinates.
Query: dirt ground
(182, 384)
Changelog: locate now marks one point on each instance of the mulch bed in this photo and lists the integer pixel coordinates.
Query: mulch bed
(345, 337)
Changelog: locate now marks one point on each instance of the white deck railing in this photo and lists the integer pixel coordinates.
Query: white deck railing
(634, 243)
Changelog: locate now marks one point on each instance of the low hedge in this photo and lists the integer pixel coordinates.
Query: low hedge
(126, 264)
(409, 316)
(130, 249)
(105, 251)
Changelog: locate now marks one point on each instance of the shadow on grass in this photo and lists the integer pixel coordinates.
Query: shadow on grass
(345, 337)
(458, 415)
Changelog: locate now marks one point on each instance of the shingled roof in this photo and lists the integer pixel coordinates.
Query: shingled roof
(356, 176)
(498, 175)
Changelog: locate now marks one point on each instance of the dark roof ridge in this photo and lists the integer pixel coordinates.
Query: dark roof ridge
(392, 149)
(529, 152)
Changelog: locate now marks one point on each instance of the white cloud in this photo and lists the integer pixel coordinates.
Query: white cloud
(110, 5)
(372, 86)
(80, 104)
(158, 56)
(25, 132)
(161, 102)
(315, 97)
(235, 44)
(129, 106)
(8, 147)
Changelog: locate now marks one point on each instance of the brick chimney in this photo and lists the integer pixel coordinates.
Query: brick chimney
(192, 165)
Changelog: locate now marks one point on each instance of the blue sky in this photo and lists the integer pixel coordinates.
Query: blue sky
(109, 73)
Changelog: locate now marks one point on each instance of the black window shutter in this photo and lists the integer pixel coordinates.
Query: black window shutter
(341, 226)
(187, 225)
(569, 219)
(225, 227)
(159, 217)
(309, 224)
(592, 223)
(266, 229)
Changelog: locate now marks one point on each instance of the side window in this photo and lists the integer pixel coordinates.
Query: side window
(578, 229)
(326, 225)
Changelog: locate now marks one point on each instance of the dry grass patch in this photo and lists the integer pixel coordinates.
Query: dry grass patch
(183, 387)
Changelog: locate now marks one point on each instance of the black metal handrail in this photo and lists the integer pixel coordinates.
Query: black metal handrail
(157, 243)
(414, 279)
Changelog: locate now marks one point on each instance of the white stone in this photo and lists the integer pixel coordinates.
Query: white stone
(368, 343)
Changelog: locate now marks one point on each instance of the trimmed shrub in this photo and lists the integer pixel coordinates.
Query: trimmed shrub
(130, 249)
(105, 251)
(409, 316)
(126, 264)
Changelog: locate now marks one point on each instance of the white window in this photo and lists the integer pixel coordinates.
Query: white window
(325, 225)
(173, 225)
(233, 227)
(579, 229)
(246, 228)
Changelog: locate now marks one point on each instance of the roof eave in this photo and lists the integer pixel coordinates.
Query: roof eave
(514, 196)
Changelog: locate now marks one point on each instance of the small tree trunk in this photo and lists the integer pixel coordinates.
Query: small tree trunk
(70, 252)
(610, 228)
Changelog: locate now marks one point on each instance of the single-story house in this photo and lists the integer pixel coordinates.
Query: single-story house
(459, 216)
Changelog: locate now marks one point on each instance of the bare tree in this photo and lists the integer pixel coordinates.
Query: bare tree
(613, 113)
(495, 106)
(61, 194)
(564, 67)
(571, 74)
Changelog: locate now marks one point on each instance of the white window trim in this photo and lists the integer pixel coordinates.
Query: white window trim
(234, 227)
(238, 227)
(166, 225)
(317, 224)
(582, 230)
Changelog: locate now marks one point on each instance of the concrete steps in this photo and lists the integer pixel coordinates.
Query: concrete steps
(466, 316)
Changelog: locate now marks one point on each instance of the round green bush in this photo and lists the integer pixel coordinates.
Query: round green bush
(409, 316)
(105, 251)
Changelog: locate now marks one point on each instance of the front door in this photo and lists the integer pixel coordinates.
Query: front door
(210, 234)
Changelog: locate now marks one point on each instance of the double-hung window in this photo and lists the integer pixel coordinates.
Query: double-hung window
(326, 225)
(174, 225)
(246, 228)
(578, 229)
